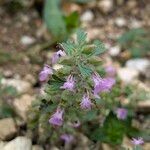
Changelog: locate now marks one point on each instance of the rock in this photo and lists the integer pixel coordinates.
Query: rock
(139, 64)
(106, 147)
(19, 143)
(22, 104)
(20, 85)
(37, 147)
(135, 24)
(54, 148)
(114, 51)
(8, 73)
(106, 5)
(7, 128)
(146, 146)
(2, 144)
(127, 75)
(120, 22)
(27, 40)
(144, 106)
(87, 16)
(127, 143)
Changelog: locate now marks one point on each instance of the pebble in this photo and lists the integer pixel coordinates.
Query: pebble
(20, 85)
(27, 40)
(135, 24)
(139, 64)
(37, 147)
(87, 16)
(7, 128)
(106, 5)
(120, 22)
(19, 143)
(127, 75)
(114, 51)
(22, 105)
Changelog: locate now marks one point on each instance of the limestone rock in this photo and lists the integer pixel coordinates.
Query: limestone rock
(19, 143)
(127, 75)
(114, 51)
(37, 147)
(120, 22)
(87, 16)
(20, 85)
(7, 128)
(106, 5)
(27, 40)
(22, 105)
(139, 64)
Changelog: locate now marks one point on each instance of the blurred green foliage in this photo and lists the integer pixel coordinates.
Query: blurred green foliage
(136, 41)
(6, 92)
(59, 24)
(79, 62)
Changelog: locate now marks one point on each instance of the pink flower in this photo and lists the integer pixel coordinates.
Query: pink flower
(121, 113)
(57, 118)
(102, 84)
(67, 138)
(57, 55)
(69, 84)
(46, 71)
(110, 70)
(137, 141)
(86, 102)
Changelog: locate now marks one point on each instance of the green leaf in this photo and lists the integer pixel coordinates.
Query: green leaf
(138, 147)
(85, 70)
(6, 111)
(99, 47)
(112, 131)
(72, 21)
(69, 47)
(81, 37)
(90, 115)
(94, 60)
(54, 19)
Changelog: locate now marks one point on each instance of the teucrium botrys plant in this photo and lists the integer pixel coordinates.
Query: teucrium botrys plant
(81, 94)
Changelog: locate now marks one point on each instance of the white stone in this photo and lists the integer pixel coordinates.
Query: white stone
(19, 143)
(120, 22)
(87, 16)
(37, 147)
(22, 105)
(20, 85)
(127, 75)
(114, 51)
(106, 5)
(7, 128)
(135, 23)
(2, 144)
(27, 40)
(139, 64)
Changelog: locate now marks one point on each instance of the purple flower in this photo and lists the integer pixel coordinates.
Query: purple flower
(57, 55)
(121, 113)
(69, 84)
(110, 70)
(102, 84)
(57, 118)
(137, 141)
(46, 71)
(86, 102)
(67, 138)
